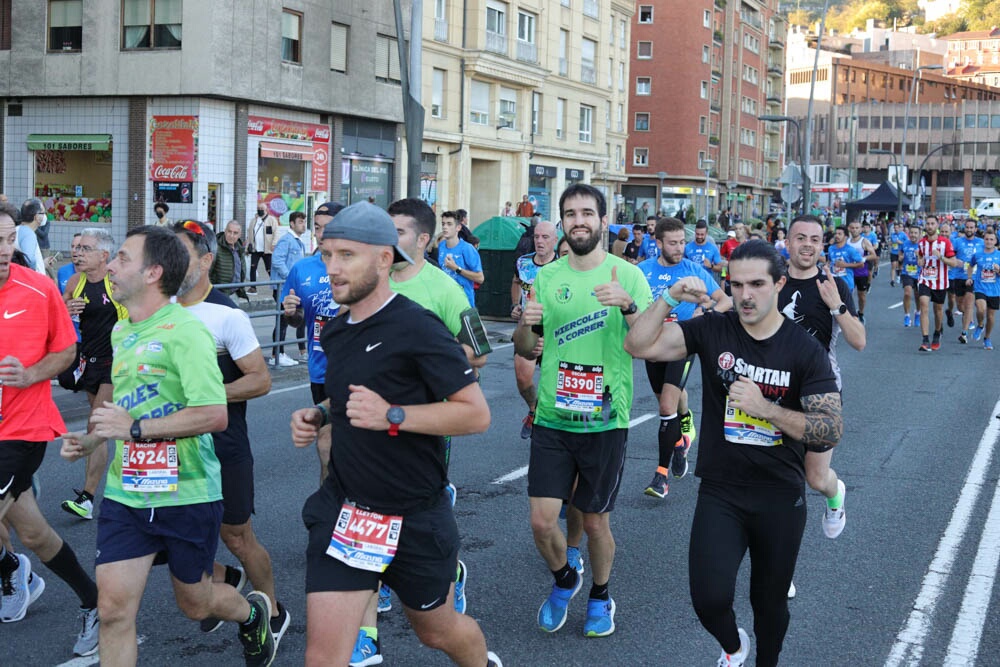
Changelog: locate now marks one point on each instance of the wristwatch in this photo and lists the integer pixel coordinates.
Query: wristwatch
(839, 311)
(630, 309)
(395, 415)
(136, 430)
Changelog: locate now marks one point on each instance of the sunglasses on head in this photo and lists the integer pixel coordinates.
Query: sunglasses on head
(194, 227)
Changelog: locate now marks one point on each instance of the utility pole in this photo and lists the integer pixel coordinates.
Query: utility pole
(409, 79)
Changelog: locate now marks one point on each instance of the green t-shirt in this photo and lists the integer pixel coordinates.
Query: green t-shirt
(436, 291)
(586, 379)
(161, 365)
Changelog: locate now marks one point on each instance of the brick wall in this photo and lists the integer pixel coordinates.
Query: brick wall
(137, 146)
(240, 164)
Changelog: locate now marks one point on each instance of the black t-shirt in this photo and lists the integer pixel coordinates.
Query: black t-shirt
(233, 444)
(800, 301)
(632, 250)
(408, 357)
(98, 318)
(788, 365)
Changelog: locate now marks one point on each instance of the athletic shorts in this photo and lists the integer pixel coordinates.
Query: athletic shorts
(992, 302)
(237, 492)
(908, 281)
(894, 257)
(318, 390)
(936, 295)
(96, 373)
(422, 571)
(558, 457)
(19, 460)
(188, 534)
(862, 283)
(959, 287)
(674, 373)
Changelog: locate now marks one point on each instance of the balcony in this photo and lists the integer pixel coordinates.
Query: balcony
(772, 128)
(775, 68)
(775, 42)
(772, 183)
(588, 74)
(496, 42)
(527, 52)
(774, 97)
(440, 30)
(720, 4)
(716, 66)
(771, 155)
(716, 103)
(717, 37)
(713, 141)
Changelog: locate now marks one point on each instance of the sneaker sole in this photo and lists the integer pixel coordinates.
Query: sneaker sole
(24, 562)
(280, 632)
(607, 632)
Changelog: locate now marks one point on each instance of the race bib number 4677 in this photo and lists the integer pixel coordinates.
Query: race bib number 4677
(365, 540)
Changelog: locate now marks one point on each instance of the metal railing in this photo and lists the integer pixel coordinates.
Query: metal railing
(275, 287)
(496, 42)
(527, 51)
(440, 30)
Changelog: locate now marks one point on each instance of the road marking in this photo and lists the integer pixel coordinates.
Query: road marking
(284, 389)
(909, 646)
(522, 471)
(92, 659)
(968, 632)
(896, 305)
(500, 347)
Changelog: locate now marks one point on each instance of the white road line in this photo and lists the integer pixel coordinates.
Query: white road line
(522, 471)
(909, 646)
(502, 346)
(968, 632)
(91, 659)
(896, 305)
(284, 389)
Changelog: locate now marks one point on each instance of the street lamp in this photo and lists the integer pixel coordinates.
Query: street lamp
(906, 124)
(806, 186)
(662, 175)
(706, 164)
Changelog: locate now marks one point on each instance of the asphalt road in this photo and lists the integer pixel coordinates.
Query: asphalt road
(910, 581)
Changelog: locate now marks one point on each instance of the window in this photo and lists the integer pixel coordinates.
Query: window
(620, 118)
(563, 61)
(586, 124)
(705, 54)
(748, 137)
(622, 31)
(644, 50)
(702, 125)
(936, 123)
(751, 43)
(65, 25)
(291, 37)
(560, 117)
(611, 73)
(496, 18)
(508, 108)
(338, 47)
(640, 157)
(621, 77)
(437, 93)
(704, 90)
(642, 122)
(5, 25)
(611, 31)
(151, 24)
(619, 161)
(536, 113)
(643, 85)
(479, 103)
(386, 59)
(440, 8)
(588, 53)
(706, 19)
(645, 13)
(607, 115)
(750, 74)
(526, 27)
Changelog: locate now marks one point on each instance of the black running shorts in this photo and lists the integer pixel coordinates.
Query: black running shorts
(862, 283)
(936, 295)
(959, 287)
(237, 491)
(19, 460)
(318, 390)
(992, 302)
(558, 457)
(674, 373)
(908, 281)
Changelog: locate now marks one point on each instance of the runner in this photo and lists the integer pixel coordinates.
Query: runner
(703, 251)
(667, 379)
(986, 287)
(967, 245)
(863, 273)
(868, 232)
(163, 492)
(897, 238)
(244, 376)
(934, 255)
(649, 249)
(582, 307)
(526, 267)
(909, 271)
(459, 258)
(88, 299)
(766, 382)
(387, 463)
(631, 252)
(843, 257)
(37, 340)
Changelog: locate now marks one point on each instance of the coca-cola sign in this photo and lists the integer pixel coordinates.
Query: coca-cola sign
(277, 128)
(173, 148)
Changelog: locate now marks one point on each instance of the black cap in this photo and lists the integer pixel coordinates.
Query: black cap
(330, 208)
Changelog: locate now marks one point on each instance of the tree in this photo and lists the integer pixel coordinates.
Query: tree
(799, 17)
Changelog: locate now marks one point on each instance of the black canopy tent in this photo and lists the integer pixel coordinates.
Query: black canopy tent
(883, 199)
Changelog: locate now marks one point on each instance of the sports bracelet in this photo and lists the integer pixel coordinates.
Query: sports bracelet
(669, 300)
(326, 414)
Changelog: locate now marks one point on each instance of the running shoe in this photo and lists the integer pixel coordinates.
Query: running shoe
(861, 318)
(687, 426)
(492, 660)
(962, 339)
(906, 320)
(526, 424)
(279, 624)
(82, 506)
(916, 319)
(286, 361)
(924, 347)
(36, 586)
(978, 334)
(791, 590)
(987, 344)
(950, 316)
(452, 492)
(835, 519)
(972, 325)
(14, 594)
(86, 641)
(659, 487)
(460, 579)
(367, 651)
(235, 577)
(384, 599)
(739, 658)
(575, 559)
(552, 613)
(936, 345)
(600, 618)
(679, 461)
(256, 636)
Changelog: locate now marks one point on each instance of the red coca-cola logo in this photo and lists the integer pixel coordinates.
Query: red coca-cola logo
(177, 172)
(320, 156)
(255, 125)
(323, 133)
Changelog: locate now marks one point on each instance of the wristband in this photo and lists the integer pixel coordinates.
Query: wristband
(669, 300)
(325, 413)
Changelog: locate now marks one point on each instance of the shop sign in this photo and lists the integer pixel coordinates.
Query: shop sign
(574, 174)
(173, 193)
(173, 148)
(369, 179)
(276, 128)
(541, 171)
(320, 168)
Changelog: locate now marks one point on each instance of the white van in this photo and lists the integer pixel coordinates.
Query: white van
(989, 207)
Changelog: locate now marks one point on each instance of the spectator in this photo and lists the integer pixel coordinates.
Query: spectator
(458, 258)
(508, 210)
(161, 209)
(525, 208)
(618, 247)
(260, 241)
(32, 214)
(228, 264)
(288, 250)
(526, 243)
(641, 214)
(464, 232)
(631, 252)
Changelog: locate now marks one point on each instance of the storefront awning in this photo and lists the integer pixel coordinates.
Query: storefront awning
(69, 142)
(286, 151)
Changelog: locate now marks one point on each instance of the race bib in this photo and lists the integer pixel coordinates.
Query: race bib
(929, 271)
(580, 388)
(149, 467)
(739, 427)
(365, 540)
(318, 325)
(910, 269)
(79, 370)
(988, 276)
(839, 272)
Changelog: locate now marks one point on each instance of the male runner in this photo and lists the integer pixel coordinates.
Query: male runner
(868, 232)
(934, 255)
(582, 307)
(909, 271)
(459, 258)
(768, 393)
(843, 257)
(244, 376)
(967, 245)
(667, 379)
(37, 340)
(526, 267)
(823, 306)
(649, 249)
(863, 273)
(703, 251)
(88, 298)
(896, 239)
(163, 492)
(986, 287)
(396, 365)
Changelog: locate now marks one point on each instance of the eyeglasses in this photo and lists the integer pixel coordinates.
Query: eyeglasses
(84, 248)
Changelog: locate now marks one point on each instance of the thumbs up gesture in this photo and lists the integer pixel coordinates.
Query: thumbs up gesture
(612, 293)
(532, 313)
(291, 302)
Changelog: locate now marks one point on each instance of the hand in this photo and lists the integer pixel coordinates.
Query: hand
(707, 263)
(76, 306)
(745, 395)
(366, 409)
(515, 311)
(112, 421)
(13, 373)
(839, 265)
(305, 426)
(936, 254)
(51, 261)
(78, 445)
(291, 302)
(692, 290)
(449, 263)
(537, 351)
(828, 290)
(612, 293)
(532, 313)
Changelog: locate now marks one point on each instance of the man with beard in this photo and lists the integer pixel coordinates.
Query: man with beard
(768, 395)
(934, 255)
(582, 307)
(397, 365)
(863, 273)
(967, 245)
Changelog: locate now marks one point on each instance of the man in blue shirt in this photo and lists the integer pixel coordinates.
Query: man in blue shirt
(459, 259)
(649, 248)
(844, 257)
(986, 287)
(66, 272)
(967, 245)
(909, 270)
(896, 240)
(287, 252)
(703, 251)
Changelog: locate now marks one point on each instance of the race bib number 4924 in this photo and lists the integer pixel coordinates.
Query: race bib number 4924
(149, 467)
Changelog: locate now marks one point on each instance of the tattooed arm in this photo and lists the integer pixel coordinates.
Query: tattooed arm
(818, 426)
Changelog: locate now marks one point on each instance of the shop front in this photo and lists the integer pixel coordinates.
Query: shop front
(293, 162)
(368, 154)
(72, 175)
(173, 158)
(541, 184)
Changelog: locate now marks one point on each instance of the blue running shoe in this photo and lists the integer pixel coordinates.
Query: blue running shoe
(452, 493)
(978, 333)
(906, 321)
(562, 511)
(574, 559)
(987, 344)
(384, 599)
(552, 613)
(366, 651)
(916, 319)
(600, 618)
(460, 579)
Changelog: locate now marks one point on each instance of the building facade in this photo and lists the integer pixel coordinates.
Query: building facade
(975, 56)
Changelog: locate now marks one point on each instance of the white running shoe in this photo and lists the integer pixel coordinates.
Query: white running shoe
(835, 520)
(16, 595)
(740, 657)
(286, 361)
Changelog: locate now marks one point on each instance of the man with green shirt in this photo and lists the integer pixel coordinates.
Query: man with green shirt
(582, 308)
(163, 493)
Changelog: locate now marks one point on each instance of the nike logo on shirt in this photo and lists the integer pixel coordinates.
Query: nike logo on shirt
(369, 348)
(7, 315)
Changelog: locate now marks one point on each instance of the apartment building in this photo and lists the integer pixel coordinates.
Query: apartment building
(975, 56)
(523, 97)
